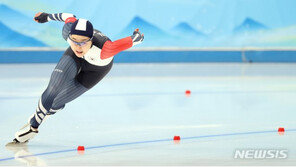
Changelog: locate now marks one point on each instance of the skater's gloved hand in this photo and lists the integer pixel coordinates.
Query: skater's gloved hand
(137, 37)
(41, 17)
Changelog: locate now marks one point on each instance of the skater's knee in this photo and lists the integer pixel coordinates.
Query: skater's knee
(55, 108)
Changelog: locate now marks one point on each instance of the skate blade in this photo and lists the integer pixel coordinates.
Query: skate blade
(16, 144)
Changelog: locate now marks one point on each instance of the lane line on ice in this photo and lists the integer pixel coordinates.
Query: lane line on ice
(158, 93)
(149, 141)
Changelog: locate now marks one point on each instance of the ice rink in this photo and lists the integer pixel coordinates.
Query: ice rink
(132, 115)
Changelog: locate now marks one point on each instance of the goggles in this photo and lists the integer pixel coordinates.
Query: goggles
(80, 43)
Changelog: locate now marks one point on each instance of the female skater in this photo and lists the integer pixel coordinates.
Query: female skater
(88, 59)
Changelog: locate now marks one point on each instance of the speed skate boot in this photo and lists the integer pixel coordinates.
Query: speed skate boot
(24, 135)
(30, 130)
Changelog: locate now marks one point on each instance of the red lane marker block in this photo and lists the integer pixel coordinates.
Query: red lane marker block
(187, 92)
(281, 129)
(80, 148)
(177, 138)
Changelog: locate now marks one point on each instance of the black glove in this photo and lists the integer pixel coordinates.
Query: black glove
(137, 37)
(42, 18)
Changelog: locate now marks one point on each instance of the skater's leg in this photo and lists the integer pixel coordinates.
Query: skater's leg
(84, 81)
(64, 72)
(71, 91)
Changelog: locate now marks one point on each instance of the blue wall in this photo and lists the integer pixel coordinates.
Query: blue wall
(159, 56)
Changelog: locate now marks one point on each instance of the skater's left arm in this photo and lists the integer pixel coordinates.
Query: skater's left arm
(42, 17)
(68, 18)
(110, 48)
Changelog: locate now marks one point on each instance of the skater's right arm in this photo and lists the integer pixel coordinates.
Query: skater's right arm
(42, 17)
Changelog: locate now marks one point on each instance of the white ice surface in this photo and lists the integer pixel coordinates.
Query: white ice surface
(142, 102)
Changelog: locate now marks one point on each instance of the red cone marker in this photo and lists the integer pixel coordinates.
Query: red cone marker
(281, 129)
(177, 138)
(80, 148)
(187, 93)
